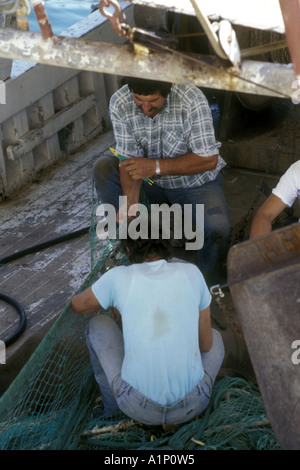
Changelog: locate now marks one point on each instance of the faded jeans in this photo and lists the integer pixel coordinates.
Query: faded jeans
(106, 346)
(217, 227)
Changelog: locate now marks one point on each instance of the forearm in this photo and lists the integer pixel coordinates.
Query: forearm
(131, 188)
(260, 225)
(189, 164)
(131, 191)
(204, 331)
(266, 214)
(85, 302)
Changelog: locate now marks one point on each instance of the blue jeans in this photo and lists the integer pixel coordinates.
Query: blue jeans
(105, 343)
(217, 228)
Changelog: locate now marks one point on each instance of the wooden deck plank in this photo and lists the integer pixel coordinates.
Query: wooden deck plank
(50, 278)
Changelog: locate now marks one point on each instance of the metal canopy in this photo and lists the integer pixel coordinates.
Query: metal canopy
(121, 59)
(258, 14)
(136, 59)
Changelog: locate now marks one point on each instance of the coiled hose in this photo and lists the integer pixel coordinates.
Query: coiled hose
(22, 323)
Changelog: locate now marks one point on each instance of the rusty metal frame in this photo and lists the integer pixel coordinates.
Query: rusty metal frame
(260, 78)
(121, 59)
(42, 18)
(291, 16)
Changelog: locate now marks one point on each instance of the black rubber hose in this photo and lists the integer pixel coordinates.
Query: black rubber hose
(22, 323)
(20, 254)
(42, 246)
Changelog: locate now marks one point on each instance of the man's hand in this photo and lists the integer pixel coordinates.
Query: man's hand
(131, 189)
(139, 168)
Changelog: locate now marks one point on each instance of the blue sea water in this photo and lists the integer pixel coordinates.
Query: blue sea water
(63, 13)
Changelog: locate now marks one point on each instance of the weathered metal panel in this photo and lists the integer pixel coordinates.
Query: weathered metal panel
(291, 16)
(48, 103)
(259, 14)
(50, 127)
(5, 64)
(265, 277)
(259, 78)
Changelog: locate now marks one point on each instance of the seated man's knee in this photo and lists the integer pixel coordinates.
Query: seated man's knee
(217, 227)
(104, 167)
(218, 340)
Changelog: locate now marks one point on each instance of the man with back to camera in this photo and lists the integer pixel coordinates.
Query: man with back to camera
(166, 132)
(159, 367)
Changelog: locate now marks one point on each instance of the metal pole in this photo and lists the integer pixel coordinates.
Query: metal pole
(42, 18)
(291, 16)
(120, 59)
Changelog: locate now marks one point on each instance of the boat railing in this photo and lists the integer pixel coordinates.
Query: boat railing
(48, 112)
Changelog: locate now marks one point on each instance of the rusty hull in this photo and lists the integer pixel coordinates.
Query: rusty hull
(264, 278)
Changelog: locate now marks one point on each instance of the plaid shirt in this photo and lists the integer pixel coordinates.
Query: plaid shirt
(184, 125)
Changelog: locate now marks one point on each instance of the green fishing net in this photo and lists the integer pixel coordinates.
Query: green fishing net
(51, 405)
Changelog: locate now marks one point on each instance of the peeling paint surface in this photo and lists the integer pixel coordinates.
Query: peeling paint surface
(58, 203)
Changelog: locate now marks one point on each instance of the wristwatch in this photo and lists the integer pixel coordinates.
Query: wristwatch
(157, 167)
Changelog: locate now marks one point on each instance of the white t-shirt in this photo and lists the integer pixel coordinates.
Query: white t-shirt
(288, 187)
(159, 302)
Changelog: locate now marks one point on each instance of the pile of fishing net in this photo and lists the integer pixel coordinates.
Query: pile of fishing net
(52, 397)
(235, 420)
(51, 403)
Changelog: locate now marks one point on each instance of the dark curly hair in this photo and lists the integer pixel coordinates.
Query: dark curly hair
(142, 86)
(141, 248)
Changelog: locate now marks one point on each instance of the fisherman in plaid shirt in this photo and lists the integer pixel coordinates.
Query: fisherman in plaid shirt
(166, 133)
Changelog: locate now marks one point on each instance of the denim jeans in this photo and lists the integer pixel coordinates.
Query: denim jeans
(217, 228)
(105, 343)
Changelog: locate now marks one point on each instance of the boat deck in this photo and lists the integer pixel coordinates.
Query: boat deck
(60, 202)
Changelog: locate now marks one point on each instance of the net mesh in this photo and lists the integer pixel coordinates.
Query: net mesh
(51, 405)
(234, 420)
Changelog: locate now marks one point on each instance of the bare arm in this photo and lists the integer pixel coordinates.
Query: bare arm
(189, 164)
(85, 302)
(267, 213)
(131, 189)
(205, 332)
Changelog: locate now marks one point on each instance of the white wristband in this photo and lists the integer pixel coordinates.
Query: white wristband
(157, 169)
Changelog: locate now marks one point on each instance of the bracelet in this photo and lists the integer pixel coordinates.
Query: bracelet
(157, 167)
